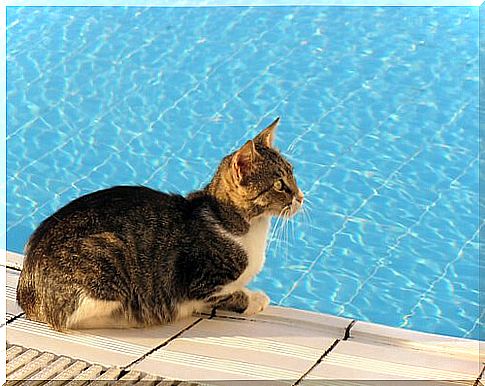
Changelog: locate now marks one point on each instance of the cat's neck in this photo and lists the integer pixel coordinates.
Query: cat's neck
(227, 215)
(221, 190)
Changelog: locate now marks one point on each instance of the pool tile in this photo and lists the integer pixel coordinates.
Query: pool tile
(276, 314)
(376, 352)
(15, 260)
(113, 347)
(74, 344)
(271, 345)
(400, 337)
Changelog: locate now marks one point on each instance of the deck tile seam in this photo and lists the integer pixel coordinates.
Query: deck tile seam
(278, 321)
(13, 319)
(12, 267)
(478, 381)
(345, 337)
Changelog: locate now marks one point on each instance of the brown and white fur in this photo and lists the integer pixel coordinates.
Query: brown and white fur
(131, 256)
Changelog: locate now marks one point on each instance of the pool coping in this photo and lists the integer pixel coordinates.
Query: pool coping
(280, 346)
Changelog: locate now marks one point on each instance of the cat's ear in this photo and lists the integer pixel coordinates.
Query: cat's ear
(267, 136)
(242, 160)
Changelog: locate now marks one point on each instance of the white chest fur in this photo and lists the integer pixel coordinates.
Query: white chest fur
(254, 244)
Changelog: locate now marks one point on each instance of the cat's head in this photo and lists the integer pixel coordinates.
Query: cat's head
(258, 179)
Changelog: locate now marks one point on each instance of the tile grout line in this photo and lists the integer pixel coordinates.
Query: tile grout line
(12, 267)
(347, 330)
(327, 351)
(161, 345)
(480, 376)
(8, 266)
(384, 260)
(319, 360)
(438, 279)
(214, 314)
(410, 158)
(13, 319)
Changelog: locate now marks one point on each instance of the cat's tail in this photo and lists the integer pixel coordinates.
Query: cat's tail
(45, 296)
(48, 293)
(27, 295)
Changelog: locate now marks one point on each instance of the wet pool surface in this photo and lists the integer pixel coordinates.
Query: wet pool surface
(379, 118)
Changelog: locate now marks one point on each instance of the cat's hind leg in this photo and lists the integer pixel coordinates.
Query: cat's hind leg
(97, 313)
(50, 299)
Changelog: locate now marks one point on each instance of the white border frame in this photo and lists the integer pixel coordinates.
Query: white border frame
(139, 3)
(253, 3)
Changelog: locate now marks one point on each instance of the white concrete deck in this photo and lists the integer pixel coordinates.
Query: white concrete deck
(278, 346)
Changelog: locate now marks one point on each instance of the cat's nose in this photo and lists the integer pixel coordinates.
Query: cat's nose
(299, 196)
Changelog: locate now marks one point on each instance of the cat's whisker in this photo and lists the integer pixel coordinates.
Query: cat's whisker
(288, 236)
(278, 230)
(281, 216)
(309, 205)
(292, 231)
(279, 239)
(275, 233)
(308, 200)
(287, 232)
(305, 209)
(284, 222)
(284, 237)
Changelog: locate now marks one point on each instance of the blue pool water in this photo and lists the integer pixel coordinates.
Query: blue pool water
(379, 117)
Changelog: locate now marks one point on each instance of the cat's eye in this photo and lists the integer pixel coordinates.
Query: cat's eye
(278, 185)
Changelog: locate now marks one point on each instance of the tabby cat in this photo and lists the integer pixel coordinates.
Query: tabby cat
(131, 256)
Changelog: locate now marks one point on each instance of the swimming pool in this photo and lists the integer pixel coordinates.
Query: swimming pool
(379, 117)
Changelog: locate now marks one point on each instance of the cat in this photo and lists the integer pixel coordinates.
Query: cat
(131, 256)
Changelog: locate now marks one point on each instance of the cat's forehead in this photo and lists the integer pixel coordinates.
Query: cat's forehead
(276, 158)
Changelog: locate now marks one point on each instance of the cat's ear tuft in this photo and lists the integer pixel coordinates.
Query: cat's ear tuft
(267, 136)
(242, 161)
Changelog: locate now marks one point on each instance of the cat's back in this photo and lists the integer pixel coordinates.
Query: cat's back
(110, 210)
(121, 197)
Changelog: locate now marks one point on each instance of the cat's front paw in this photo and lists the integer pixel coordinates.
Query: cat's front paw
(258, 301)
